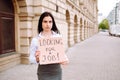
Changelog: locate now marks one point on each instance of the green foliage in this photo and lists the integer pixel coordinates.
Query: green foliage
(104, 24)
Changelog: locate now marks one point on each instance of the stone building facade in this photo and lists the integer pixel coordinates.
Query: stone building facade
(76, 20)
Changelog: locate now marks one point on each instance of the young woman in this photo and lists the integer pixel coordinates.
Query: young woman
(46, 28)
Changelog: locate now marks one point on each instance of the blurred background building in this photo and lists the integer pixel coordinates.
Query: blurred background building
(76, 20)
(114, 15)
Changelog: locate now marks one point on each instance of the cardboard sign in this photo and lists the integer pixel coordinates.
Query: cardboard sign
(51, 50)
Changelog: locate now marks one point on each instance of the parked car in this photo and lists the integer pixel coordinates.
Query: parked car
(114, 30)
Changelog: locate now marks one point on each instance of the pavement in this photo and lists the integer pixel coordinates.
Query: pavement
(96, 58)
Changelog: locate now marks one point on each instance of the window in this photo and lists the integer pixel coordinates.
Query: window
(7, 32)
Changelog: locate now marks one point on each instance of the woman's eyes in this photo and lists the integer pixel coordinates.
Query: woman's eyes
(50, 21)
(47, 21)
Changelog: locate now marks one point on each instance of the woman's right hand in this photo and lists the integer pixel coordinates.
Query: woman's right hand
(37, 54)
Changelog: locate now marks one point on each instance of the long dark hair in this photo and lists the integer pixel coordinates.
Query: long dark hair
(54, 27)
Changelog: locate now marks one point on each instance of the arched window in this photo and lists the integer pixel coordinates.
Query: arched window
(7, 28)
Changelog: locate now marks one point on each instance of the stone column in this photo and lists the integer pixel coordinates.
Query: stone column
(78, 33)
(75, 32)
(83, 34)
(71, 32)
(25, 16)
(25, 36)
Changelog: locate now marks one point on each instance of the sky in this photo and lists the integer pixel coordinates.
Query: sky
(104, 7)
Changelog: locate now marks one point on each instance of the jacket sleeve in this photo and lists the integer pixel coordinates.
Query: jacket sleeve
(33, 48)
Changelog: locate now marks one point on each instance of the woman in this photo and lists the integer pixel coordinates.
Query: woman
(46, 28)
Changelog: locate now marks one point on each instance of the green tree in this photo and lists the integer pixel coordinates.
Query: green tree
(104, 24)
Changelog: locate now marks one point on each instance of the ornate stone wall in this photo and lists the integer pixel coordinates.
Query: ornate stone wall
(76, 20)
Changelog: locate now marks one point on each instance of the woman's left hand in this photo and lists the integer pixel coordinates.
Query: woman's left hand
(64, 63)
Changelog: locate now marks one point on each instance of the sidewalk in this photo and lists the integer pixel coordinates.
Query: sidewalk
(97, 58)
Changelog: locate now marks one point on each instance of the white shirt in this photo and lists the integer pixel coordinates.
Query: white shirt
(34, 46)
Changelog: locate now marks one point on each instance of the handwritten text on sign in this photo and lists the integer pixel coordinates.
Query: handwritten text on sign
(51, 50)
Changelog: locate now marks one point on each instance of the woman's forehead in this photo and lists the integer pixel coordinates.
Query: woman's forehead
(47, 18)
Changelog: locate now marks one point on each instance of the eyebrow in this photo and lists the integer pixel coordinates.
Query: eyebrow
(46, 21)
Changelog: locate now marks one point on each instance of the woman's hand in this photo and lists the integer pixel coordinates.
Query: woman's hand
(37, 54)
(64, 63)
